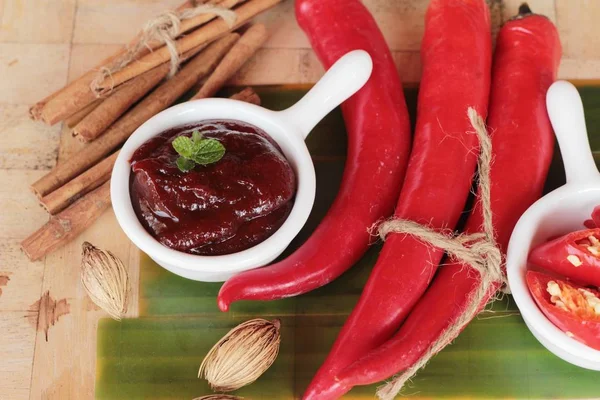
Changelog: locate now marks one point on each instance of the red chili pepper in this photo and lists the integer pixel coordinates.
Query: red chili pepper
(525, 65)
(437, 183)
(378, 129)
(574, 309)
(575, 256)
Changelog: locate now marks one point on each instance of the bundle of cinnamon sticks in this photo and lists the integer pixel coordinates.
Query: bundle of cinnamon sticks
(107, 104)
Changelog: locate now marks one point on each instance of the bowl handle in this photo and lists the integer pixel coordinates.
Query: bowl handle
(566, 114)
(341, 81)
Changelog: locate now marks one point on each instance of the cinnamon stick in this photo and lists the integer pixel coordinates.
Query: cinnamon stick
(69, 99)
(97, 121)
(204, 34)
(74, 119)
(67, 194)
(77, 94)
(158, 100)
(68, 224)
(245, 48)
(247, 95)
(35, 111)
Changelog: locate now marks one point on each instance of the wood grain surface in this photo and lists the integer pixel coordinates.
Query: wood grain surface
(46, 43)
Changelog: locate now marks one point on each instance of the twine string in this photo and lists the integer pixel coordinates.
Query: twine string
(163, 29)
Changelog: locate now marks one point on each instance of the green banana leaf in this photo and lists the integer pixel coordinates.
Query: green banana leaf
(157, 355)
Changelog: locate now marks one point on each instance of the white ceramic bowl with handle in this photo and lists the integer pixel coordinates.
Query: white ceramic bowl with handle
(562, 211)
(288, 128)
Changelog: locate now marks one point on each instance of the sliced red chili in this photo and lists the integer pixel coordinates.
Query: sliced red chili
(596, 216)
(572, 308)
(595, 221)
(575, 255)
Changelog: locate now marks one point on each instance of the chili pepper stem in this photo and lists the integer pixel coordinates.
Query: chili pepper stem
(524, 10)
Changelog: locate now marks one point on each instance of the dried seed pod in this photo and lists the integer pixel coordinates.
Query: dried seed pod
(218, 397)
(242, 355)
(105, 280)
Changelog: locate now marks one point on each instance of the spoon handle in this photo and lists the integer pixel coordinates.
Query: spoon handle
(341, 81)
(566, 115)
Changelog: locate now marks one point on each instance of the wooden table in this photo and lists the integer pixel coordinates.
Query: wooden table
(46, 43)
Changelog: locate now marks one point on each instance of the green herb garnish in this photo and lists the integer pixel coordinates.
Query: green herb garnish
(197, 150)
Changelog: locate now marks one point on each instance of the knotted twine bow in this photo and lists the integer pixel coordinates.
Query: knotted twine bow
(477, 250)
(162, 30)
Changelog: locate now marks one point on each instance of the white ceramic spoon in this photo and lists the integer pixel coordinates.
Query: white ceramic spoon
(559, 212)
(288, 128)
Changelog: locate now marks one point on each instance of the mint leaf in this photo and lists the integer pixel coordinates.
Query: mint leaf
(185, 164)
(197, 150)
(208, 151)
(197, 136)
(184, 146)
